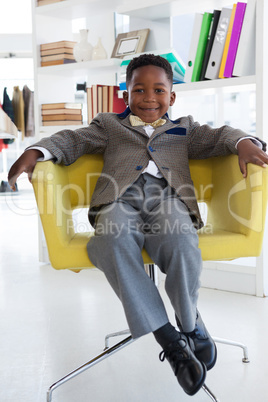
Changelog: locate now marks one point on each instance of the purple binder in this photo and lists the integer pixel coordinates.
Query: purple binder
(235, 36)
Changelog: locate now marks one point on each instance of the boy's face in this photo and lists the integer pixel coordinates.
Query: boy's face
(149, 93)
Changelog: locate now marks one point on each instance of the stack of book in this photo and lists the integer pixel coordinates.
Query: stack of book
(61, 114)
(177, 65)
(56, 53)
(103, 99)
(223, 43)
(46, 2)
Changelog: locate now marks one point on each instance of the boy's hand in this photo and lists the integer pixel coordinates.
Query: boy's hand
(248, 152)
(25, 163)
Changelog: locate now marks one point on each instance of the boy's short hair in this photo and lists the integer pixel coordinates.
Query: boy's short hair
(149, 60)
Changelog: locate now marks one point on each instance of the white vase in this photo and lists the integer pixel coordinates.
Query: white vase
(83, 49)
(99, 52)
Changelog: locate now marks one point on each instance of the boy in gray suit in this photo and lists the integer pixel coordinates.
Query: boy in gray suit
(145, 198)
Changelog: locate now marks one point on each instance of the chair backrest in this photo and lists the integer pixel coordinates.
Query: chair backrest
(235, 219)
(83, 175)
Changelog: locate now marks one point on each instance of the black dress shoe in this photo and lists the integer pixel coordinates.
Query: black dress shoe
(190, 372)
(205, 348)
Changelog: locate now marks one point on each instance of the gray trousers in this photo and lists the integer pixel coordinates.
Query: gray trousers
(149, 215)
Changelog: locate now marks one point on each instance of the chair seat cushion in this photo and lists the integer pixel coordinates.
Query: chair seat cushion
(216, 245)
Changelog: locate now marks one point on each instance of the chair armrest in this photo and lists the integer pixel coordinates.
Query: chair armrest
(237, 204)
(51, 188)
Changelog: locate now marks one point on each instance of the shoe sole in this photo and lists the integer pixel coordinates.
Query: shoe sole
(201, 383)
(214, 361)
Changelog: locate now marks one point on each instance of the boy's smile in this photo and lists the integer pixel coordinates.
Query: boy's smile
(149, 93)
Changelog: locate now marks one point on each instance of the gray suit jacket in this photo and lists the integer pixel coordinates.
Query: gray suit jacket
(127, 151)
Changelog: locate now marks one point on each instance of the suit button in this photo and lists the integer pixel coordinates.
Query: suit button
(151, 149)
(139, 167)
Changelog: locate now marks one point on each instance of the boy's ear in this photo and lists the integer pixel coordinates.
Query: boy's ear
(125, 97)
(172, 98)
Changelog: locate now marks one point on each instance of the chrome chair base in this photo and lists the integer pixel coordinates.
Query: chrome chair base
(120, 345)
(108, 352)
(151, 270)
(210, 394)
(245, 358)
(114, 334)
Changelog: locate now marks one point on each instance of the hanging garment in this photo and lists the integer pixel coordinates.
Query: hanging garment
(18, 107)
(2, 145)
(8, 109)
(7, 105)
(28, 98)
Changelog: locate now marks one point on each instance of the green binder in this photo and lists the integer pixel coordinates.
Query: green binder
(201, 48)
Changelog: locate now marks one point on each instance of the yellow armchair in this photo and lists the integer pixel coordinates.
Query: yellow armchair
(234, 227)
(236, 208)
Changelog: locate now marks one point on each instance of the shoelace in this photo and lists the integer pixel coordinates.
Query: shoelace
(176, 354)
(168, 354)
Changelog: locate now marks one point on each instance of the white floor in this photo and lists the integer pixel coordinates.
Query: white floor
(53, 321)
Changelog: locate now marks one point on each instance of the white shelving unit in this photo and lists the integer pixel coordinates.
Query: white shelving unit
(56, 83)
(75, 69)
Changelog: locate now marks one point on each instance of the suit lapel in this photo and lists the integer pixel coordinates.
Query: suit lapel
(162, 129)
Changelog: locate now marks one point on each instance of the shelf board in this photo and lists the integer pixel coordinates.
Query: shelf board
(235, 83)
(214, 84)
(69, 9)
(46, 131)
(151, 9)
(154, 10)
(95, 66)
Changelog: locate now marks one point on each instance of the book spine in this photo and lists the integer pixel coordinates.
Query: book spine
(245, 56)
(215, 58)
(227, 43)
(59, 56)
(56, 62)
(54, 117)
(211, 37)
(193, 47)
(201, 48)
(234, 40)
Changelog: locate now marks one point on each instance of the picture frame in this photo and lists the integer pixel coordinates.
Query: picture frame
(130, 43)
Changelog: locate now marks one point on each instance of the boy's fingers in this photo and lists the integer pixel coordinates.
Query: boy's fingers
(25, 163)
(16, 171)
(30, 174)
(256, 161)
(243, 167)
(12, 177)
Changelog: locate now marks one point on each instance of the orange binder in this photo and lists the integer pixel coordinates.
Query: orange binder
(227, 42)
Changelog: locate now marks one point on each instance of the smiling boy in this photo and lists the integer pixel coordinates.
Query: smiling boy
(149, 94)
(144, 189)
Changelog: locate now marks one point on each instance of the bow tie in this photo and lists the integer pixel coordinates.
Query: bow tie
(136, 121)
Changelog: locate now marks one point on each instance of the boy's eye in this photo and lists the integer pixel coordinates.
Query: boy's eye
(157, 90)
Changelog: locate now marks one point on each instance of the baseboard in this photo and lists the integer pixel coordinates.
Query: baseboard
(229, 277)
